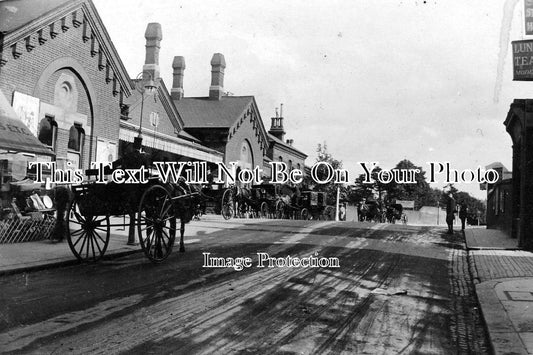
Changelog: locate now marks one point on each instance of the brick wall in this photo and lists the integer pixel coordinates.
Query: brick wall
(35, 73)
(233, 147)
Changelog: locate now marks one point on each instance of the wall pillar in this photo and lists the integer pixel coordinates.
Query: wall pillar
(515, 193)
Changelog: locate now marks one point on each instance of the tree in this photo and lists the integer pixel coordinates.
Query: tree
(418, 190)
(365, 190)
(322, 174)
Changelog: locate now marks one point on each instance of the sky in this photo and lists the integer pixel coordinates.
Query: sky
(377, 81)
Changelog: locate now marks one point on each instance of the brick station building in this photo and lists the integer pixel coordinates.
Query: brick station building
(63, 76)
(232, 125)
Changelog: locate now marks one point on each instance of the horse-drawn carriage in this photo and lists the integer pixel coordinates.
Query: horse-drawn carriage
(394, 212)
(305, 205)
(316, 205)
(370, 211)
(257, 201)
(153, 206)
(217, 196)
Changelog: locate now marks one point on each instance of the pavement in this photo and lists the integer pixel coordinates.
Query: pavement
(503, 276)
(43, 254)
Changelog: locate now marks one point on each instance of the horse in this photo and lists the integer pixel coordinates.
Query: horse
(369, 211)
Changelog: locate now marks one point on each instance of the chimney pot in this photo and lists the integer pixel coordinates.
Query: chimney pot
(153, 35)
(218, 64)
(178, 66)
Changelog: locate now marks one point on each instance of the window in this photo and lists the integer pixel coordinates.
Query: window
(48, 132)
(75, 145)
(125, 112)
(290, 165)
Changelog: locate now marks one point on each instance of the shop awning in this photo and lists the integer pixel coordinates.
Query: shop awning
(15, 136)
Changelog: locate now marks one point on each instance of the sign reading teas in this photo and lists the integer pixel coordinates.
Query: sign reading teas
(523, 60)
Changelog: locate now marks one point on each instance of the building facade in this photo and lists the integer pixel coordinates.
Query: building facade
(499, 203)
(63, 76)
(232, 125)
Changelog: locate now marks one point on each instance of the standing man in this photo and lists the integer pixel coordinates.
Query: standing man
(450, 212)
(462, 214)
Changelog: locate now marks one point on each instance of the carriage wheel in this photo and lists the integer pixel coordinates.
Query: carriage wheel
(87, 235)
(227, 209)
(264, 210)
(304, 214)
(280, 209)
(156, 223)
(329, 213)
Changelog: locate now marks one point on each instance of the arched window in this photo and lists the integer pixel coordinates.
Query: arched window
(48, 132)
(76, 139)
(289, 165)
(280, 158)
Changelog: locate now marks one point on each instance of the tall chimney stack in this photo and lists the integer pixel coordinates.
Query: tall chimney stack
(178, 66)
(218, 64)
(276, 129)
(153, 37)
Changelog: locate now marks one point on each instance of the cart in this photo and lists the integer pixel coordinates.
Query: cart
(153, 207)
(315, 206)
(217, 196)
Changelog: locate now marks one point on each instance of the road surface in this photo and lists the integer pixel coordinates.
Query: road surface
(398, 289)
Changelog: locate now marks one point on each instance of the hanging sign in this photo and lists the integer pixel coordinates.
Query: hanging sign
(523, 60)
(528, 17)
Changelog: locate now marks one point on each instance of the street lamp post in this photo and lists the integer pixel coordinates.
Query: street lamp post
(149, 87)
(143, 86)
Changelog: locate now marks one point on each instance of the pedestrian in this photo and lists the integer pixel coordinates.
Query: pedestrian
(462, 214)
(342, 213)
(450, 212)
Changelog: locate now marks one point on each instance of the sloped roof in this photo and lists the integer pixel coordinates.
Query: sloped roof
(202, 112)
(183, 134)
(17, 13)
(288, 146)
(496, 165)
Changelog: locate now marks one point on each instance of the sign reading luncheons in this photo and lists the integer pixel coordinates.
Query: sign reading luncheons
(523, 60)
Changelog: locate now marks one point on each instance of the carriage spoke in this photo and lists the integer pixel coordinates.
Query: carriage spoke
(147, 226)
(99, 237)
(80, 237)
(169, 228)
(170, 241)
(163, 206)
(79, 217)
(92, 246)
(149, 238)
(163, 240)
(98, 245)
(168, 218)
(77, 231)
(87, 246)
(147, 219)
(80, 250)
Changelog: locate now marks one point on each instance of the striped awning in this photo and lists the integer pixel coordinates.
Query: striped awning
(15, 136)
